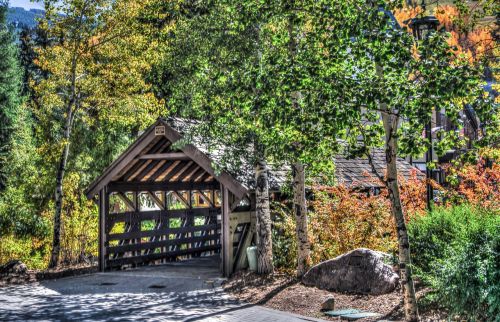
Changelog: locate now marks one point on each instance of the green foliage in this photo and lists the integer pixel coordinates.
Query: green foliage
(23, 228)
(469, 281)
(112, 104)
(31, 251)
(284, 237)
(10, 90)
(457, 252)
(232, 65)
(433, 234)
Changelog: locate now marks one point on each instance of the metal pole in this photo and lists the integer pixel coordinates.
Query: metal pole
(428, 171)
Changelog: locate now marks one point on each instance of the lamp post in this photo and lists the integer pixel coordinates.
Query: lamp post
(421, 28)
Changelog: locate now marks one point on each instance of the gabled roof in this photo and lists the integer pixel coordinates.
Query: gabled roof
(358, 173)
(144, 142)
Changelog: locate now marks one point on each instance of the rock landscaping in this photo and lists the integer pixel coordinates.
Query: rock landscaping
(284, 293)
(329, 304)
(361, 271)
(281, 292)
(16, 272)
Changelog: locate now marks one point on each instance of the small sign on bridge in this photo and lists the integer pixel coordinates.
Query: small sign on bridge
(160, 130)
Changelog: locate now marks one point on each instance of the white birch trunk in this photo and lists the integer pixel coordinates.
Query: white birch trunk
(263, 221)
(300, 212)
(390, 121)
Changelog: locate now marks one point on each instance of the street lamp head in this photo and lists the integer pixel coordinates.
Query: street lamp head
(423, 26)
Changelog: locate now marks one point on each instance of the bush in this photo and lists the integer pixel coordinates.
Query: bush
(284, 239)
(344, 220)
(434, 234)
(31, 251)
(475, 184)
(457, 252)
(341, 220)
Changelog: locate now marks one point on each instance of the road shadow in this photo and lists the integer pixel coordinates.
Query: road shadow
(162, 293)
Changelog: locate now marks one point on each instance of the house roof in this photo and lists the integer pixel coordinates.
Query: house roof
(240, 168)
(358, 173)
(355, 172)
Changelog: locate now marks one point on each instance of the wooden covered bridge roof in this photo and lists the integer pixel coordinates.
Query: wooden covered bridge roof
(153, 160)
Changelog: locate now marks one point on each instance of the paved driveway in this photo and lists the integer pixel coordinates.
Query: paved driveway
(176, 292)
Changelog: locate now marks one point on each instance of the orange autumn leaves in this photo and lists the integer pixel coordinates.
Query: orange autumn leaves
(343, 219)
(476, 184)
(473, 44)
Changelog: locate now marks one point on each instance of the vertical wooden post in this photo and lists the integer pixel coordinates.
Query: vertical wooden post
(103, 205)
(190, 221)
(136, 226)
(227, 243)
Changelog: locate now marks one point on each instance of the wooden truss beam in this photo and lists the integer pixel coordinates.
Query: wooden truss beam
(161, 186)
(167, 166)
(145, 170)
(137, 217)
(164, 156)
(158, 146)
(153, 257)
(187, 174)
(206, 198)
(130, 175)
(179, 167)
(156, 200)
(129, 203)
(161, 243)
(179, 197)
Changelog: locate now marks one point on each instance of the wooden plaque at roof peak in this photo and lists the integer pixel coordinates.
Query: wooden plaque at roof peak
(160, 130)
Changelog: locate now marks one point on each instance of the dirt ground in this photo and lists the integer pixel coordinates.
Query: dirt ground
(284, 293)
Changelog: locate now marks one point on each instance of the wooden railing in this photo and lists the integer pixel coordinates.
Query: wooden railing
(136, 246)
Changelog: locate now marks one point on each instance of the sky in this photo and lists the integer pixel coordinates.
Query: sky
(26, 4)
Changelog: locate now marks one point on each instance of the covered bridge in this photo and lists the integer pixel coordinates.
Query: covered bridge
(161, 203)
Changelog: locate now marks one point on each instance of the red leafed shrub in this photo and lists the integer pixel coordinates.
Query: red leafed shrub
(476, 184)
(341, 219)
(344, 219)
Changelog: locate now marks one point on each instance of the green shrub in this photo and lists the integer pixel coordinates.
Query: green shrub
(468, 283)
(284, 239)
(457, 252)
(31, 251)
(434, 234)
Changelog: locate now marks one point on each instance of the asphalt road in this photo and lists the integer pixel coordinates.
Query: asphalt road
(174, 292)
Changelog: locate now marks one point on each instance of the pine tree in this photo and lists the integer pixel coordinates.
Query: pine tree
(10, 85)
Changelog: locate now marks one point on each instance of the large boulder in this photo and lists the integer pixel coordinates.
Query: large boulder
(361, 271)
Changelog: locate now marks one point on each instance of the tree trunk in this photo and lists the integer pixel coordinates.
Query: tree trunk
(299, 191)
(300, 211)
(390, 122)
(263, 222)
(391, 145)
(56, 240)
